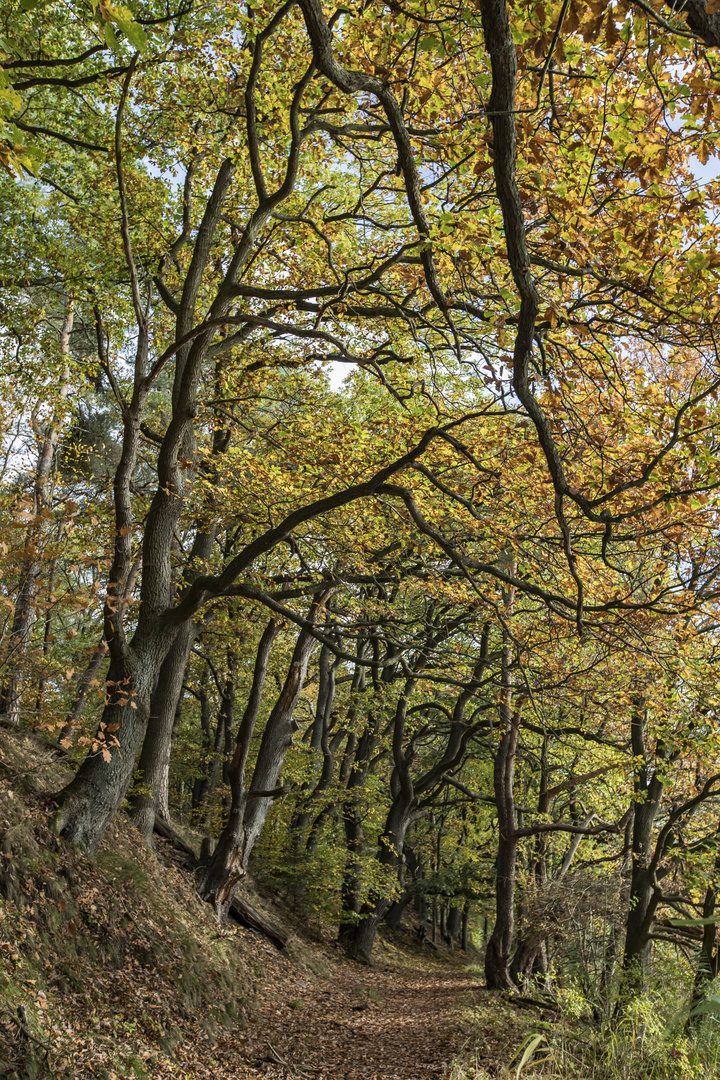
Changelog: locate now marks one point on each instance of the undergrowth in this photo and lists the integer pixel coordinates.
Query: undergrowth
(651, 1040)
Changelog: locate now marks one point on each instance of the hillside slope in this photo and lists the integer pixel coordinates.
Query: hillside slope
(112, 967)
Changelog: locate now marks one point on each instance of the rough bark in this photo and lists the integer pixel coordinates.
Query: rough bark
(249, 809)
(644, 896)
(91, 800)
(151, 799)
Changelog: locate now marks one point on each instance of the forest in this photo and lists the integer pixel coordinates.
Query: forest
(360, 476)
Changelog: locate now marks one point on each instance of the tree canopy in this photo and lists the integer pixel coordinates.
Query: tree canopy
(359, 490)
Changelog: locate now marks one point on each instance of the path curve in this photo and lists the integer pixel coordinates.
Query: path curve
(382, 1023)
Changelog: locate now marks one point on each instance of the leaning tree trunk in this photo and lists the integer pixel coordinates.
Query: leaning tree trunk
(92, 798)
(89, 676)
(82, 692)
(248, 809)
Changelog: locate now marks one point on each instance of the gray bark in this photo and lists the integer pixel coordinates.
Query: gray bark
(248, 810)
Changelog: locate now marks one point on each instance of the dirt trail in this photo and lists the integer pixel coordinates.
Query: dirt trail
(383, 1023)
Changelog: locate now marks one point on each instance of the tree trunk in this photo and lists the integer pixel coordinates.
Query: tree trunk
(499, 947)
(358, 935)
(324, 757)
(394, 916)
(248, 810)
(360, 943)
(708, 959)
(213, 772)
(454, 923)
(154, 764)
(644, 897)
(92, 798)
(530, 959)
(89, 675)
(82, 690)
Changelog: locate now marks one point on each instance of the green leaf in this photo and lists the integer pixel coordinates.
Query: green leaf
(707, 1005)
(528, 1052)
(110, 36)
(431, 43)
(134, 33)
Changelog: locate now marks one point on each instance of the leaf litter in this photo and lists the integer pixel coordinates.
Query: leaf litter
(111, 967)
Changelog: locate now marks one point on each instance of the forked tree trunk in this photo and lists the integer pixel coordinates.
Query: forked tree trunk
(248, 809)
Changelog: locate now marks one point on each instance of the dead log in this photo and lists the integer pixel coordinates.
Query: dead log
(245, 914)
(162, 828)
(240, 910)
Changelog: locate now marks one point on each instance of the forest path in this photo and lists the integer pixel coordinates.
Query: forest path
(382, 1023)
